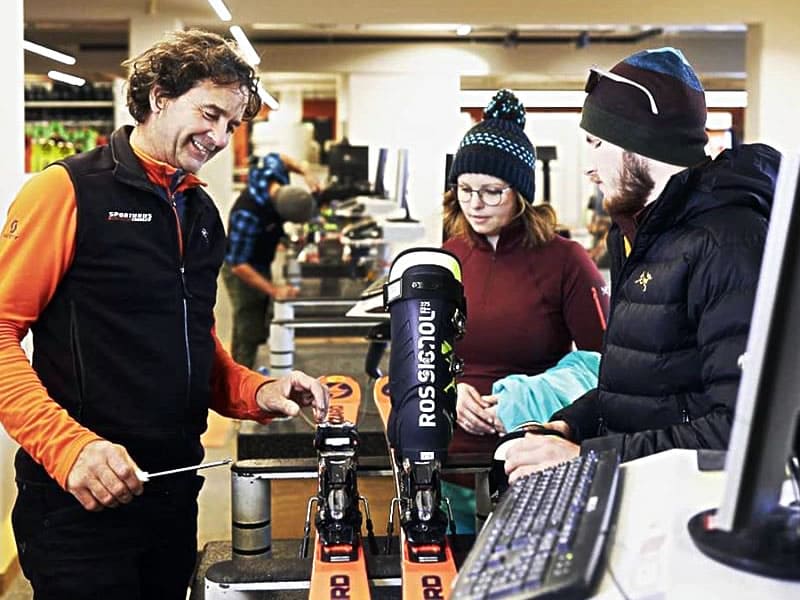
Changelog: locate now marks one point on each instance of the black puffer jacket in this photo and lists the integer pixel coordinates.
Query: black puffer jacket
(680, 311)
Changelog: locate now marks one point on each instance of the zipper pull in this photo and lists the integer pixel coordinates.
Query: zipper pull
(684, 404)
(186, 293)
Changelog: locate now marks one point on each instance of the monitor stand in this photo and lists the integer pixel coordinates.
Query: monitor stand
(771, 548)
(406, 219)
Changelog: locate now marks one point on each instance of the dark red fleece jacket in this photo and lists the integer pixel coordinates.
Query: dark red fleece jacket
(525, 306)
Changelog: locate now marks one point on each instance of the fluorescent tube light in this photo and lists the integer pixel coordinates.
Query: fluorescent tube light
(222, 11)
(463, 30)
(66, 78)
(267, 98)
(51, 54)
(249, 52)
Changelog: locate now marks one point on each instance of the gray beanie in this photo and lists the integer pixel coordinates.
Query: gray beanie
(295, 204)
(651, 103)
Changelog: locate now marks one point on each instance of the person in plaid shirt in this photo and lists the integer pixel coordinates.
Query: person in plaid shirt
(254, 231)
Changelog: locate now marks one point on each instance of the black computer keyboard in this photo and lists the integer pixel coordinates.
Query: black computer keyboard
(546, 535)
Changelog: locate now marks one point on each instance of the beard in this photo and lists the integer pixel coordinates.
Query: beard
(633, 188)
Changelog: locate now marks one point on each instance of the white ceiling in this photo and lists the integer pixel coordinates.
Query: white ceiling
(98, 34)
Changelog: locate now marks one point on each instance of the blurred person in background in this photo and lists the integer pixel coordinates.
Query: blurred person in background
(255, 228)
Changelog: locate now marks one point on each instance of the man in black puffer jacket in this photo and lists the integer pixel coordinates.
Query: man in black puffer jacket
(686, 247)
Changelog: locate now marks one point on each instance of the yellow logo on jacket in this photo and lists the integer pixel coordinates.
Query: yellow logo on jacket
(11, 231)
(644, 279)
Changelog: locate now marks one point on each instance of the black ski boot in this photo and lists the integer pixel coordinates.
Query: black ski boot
(426, 302)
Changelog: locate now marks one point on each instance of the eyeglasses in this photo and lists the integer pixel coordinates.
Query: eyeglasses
(596, 74)
(489, 195)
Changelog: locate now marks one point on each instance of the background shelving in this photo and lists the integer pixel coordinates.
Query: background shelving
(62, 120)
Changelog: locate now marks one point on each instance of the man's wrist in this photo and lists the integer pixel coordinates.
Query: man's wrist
(270, 289)
(562, 427)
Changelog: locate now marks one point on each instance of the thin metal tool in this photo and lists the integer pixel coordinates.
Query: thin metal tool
(145, 476)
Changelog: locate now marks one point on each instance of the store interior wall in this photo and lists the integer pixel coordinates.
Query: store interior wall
(424, 122)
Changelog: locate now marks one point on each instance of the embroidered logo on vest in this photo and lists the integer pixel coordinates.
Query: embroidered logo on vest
(11, 230)
(644, 279)
(131, 217)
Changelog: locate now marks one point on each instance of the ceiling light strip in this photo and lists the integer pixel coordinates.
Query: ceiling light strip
(47, 52)
(222, 11)
(267, 98)
(246, 47)
(66, 78)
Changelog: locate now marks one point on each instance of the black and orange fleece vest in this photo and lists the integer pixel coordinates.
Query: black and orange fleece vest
(125, 345)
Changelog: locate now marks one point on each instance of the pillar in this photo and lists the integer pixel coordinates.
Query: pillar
(418, 112)
(773, 48)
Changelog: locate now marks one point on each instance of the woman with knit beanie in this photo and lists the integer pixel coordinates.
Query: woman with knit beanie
(530, 293)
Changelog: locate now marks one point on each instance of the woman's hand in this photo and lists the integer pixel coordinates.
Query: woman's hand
(472, 412)
(492, 410)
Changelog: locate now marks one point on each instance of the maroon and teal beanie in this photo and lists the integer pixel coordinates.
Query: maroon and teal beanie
(651, 103)
(498, 146)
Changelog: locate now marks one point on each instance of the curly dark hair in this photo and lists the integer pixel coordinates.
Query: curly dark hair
(179, 62)
(540, 220)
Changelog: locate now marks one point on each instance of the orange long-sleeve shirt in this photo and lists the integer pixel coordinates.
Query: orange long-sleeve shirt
(37, 246)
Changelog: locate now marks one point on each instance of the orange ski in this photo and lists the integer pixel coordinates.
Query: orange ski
(339, 569)
(428, 572)
(345, 398)
(338, 579)
(382, 399)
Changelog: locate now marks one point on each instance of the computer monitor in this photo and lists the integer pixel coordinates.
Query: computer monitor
(401, 187)
(752, 530)
(545, 154)
(379, 187)
(448, 164)
(347, 164)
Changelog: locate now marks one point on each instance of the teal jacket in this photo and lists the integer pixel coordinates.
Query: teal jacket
(523, 398)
